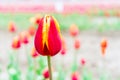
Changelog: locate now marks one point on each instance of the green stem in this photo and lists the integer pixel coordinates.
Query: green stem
(35, 65)
(49, 67)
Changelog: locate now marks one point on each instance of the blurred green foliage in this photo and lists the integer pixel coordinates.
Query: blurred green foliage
(84, 22)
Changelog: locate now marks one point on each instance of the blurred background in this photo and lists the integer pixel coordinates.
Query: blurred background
(90, 30)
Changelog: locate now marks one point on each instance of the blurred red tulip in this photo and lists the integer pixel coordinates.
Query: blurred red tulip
(48, 38)
(77, 44)
(104, 43)
(31, 30)
(16, 43)
(83, 61)
(12, 27)
(46, 74)
(74, 30)
(75, 76)
(34, 53)
(37, 20)
(63, 50)
(103, 46)
(24, 37)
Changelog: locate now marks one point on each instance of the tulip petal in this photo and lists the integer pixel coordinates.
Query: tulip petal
(54, 39)
(38, 38)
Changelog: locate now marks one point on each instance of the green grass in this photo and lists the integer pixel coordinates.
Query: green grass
(84, 22)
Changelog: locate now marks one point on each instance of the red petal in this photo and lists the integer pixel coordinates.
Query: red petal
(54, 39)
(38, 38)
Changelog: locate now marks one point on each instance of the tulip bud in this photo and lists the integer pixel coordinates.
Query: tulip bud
(16, 43)
(11, 27)
(75, 76)
(34, 53)
(46, 74)
(48, 38)
(77, 44)
(24, 37)
(74, 30)
(103, 45)
(31, 30)
(83, 61)
(63, 50)
(37, 20)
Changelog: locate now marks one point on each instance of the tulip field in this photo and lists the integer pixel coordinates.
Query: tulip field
(60, 46)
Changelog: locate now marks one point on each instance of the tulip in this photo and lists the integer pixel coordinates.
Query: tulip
(63, 50)
(48, 38)
(77, 44)
(31, 30)
(12, 27)
(46, 74)
(74, 30)
(74, 76)
(34, 53)
(83, 61)
(24, 37)
(103, 46)
(16, 43)
(36, 19)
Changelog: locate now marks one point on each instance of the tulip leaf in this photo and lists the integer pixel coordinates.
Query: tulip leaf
(13, 68)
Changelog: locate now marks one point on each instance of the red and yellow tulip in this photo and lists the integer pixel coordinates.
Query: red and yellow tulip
(24, 37)
(48, 37)
(16, 43)
(11, 27)
(35, 19)
(34, 53)
(75, 76)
